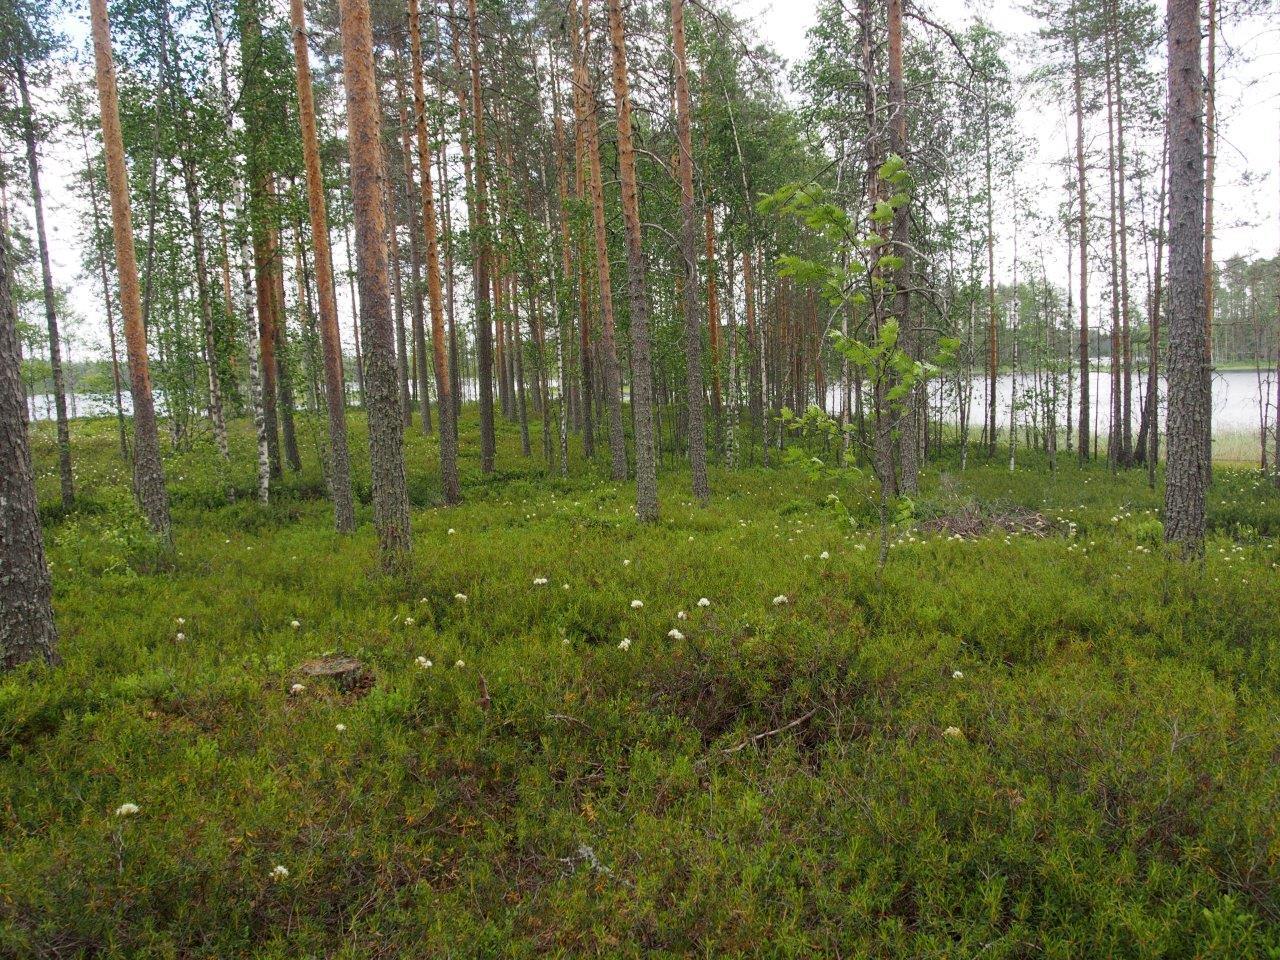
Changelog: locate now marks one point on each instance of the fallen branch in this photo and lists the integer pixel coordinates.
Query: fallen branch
(769, 733)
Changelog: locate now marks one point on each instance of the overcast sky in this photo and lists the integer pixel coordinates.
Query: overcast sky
(1248, 211)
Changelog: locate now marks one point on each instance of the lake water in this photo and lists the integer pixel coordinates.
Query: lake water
(1236, 397)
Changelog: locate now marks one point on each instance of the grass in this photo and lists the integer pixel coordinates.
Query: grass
(777, 780)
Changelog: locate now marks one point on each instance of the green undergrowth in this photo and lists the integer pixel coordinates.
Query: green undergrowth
(1027, 739)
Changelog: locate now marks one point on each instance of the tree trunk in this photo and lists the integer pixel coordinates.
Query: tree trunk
(419, 351)
(689, 255)
(330, 336)
(444, 384)
(246, 283)
(713, 331)
(386, 427)
(612, 371)
(92, 180)
(262, 214)
(1082, 434)
(148, 471)
(908, 430)
(1126, 343)
(1186, 476)
(484, 254)
(50, 306)
(642, 373)
(27, 630)
(1210, 162)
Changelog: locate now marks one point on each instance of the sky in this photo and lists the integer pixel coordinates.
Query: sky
(1248, 207)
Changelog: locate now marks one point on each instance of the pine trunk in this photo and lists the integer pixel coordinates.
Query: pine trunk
(444, 384)
(641, 377)
(689, 255)
(148, 471)
(27, 630)
(330, 335)
(386, 427)
(1186, 475)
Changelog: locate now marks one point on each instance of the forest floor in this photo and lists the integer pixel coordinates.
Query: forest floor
(1032, 734)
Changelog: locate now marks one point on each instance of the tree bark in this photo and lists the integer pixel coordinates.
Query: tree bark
(713, 330)
(419, 351)
(444, 385)
(148, 471)
(246, 281)
(92, 180)
(67, 483)
(608, 342)
(1082, 434)
(1186, 475)
(484, 254)
(262, 213)
(908, 439)
(1210, 162)
(27, 630)
(641, 377)
(330, 336)
(689, 254)
(386, 426)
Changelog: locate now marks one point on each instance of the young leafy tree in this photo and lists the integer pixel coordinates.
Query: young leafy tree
(855, 263)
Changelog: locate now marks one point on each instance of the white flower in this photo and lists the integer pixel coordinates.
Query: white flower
(279, 872)
(824, 555)
(957, 675)
(408, 621)
(181, 636)
(460, 664)
(460, 597)
(704, 602)
(637, 604)
(626, 563)
(625, 644)
(452, 531)
(424, 663)
(181, 620)
(297, 688)
(675, 634)
(566, 586)
(340, 727)
(953, 733)
(295, 624)
(539, 581)
(780, 599)
(127, 809)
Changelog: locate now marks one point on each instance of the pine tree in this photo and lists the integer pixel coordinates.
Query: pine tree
(148, 471)
(386, 425)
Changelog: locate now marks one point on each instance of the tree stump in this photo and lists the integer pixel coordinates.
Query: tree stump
(347, 673)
